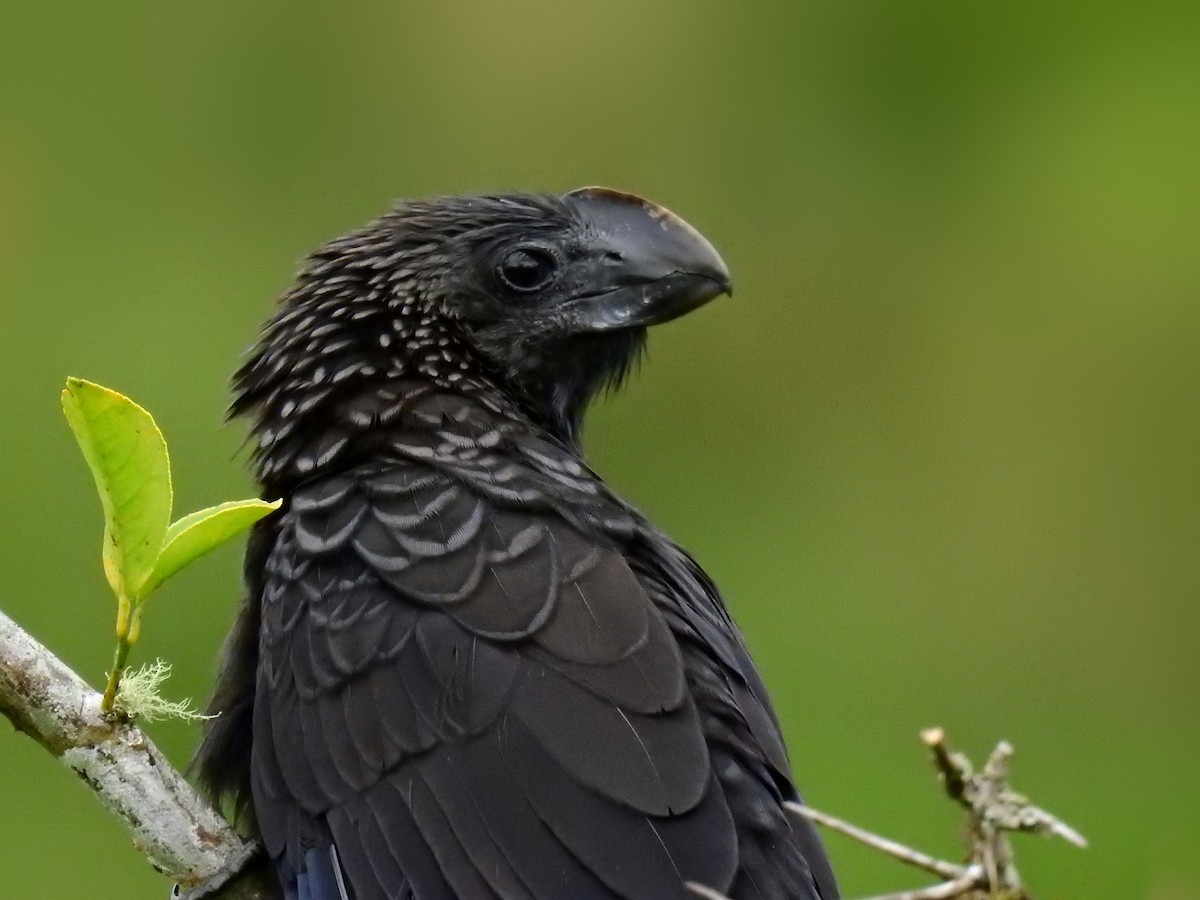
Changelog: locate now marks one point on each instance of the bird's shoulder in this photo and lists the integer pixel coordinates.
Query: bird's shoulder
(491, 549)
(443, 648)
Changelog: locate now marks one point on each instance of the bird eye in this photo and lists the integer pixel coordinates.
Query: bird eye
(528, 268)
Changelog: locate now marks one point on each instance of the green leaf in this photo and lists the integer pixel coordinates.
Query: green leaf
(128, 458)
(194, 535)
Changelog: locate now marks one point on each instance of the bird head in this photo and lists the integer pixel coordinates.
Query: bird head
(542, 299)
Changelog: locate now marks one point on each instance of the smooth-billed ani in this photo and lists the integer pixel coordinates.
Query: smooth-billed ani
(466, 668)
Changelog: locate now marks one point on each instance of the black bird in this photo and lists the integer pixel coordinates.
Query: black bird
(466, 668)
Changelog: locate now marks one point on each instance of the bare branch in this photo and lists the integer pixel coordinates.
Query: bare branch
(882, 844)
(993, 810)
(178, 831)
(987, 794)
(969, 881)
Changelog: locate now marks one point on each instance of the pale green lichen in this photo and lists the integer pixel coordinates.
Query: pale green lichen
(138, 696)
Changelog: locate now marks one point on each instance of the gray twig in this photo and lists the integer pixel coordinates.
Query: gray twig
(970, 880)
(883, 845)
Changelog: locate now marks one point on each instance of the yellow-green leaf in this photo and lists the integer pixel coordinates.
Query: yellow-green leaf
(128, 458)
(194, 535)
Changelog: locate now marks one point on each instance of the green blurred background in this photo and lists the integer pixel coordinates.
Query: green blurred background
(939, 451)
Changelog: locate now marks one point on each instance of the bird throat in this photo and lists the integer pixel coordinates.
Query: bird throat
(564, 379)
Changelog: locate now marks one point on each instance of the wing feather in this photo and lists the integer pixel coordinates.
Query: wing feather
(474, 700)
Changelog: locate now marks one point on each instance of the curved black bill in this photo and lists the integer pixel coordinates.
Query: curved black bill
(649, 265)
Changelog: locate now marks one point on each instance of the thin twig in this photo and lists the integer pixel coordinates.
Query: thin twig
(970, 880)
(884, 845)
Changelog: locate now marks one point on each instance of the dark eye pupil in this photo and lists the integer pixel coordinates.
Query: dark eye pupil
(527, 269)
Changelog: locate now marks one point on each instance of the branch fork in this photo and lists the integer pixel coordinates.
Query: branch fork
(993, 811)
